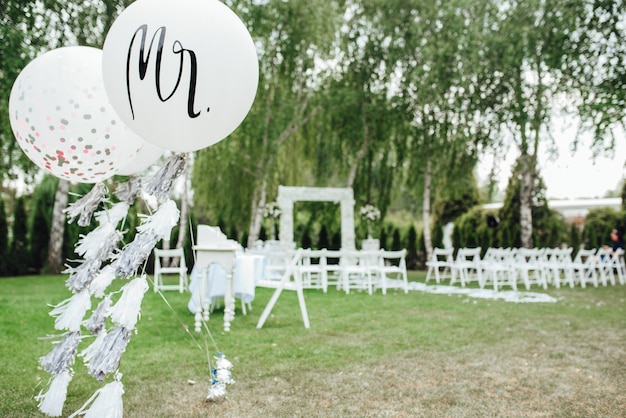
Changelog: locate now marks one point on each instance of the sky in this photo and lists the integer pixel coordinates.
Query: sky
(571, 176)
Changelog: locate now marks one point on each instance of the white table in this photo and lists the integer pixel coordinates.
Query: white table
(211, 281)
(224, 257)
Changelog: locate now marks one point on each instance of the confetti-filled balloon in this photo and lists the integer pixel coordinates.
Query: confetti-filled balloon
(181, 74)
(62, 119)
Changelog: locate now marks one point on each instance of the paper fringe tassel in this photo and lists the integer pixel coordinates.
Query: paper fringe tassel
(126, 311)
(112, 215)
(107, 359)
(162, 221)
(134, 254)
(128, 192)
(61, 357)
(82, 275)
(90, 351)
(96, 321)
(161, 183)
(107, 402)
(51, 402)
(84, 207)
(99, 243)
(70, 313)
(101, 282)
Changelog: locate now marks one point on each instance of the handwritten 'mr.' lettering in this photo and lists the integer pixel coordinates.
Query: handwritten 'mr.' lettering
(144, 59)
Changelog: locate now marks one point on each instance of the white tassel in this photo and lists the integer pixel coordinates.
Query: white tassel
(135, 254)
(90, 351)
(107, 402)
(99, 243)
(127, 309)
(112, 215)
(98, 317)
(162, 221)
(51, 402)
(101, 282)
(70, 313)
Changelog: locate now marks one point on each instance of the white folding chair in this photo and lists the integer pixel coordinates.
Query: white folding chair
(584, 267)
(441, 263)
(391, 270)
(467, 265)
(289, 280)
(497, 267)
(176, 266)
(609, 264)
(357, 270)
(312, 269)
(529, 267)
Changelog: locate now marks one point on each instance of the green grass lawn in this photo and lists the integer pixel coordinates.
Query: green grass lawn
(413, 354)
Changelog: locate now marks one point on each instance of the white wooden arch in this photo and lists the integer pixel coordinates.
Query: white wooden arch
(344, 196)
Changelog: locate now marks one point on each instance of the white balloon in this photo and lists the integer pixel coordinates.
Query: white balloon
(181, 74)
(147, 155)
(62, 119)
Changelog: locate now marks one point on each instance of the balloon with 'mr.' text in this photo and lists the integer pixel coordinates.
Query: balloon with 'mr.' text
(182, 74)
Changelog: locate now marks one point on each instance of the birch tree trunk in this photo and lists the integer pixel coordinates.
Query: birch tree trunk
(428, 242)
(525, 210)
(57, 227)
(257, 213)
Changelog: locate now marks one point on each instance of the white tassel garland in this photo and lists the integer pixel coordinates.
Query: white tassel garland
(102, 280)
(160, 185)
(107, 359)
(133, 255)
(128, 192)
(70, 313)
(162, 221)
(82, 275)
(126, 311)
(113, 215)
(99, 243)
(98, 317)
(62, 356)
(51, 402)
(107, 402)
(90, 351)
(84, 207)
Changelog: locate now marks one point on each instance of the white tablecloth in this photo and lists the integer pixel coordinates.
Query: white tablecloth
(248, 270)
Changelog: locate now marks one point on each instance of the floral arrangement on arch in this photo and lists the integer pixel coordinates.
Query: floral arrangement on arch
(369, 213)
(271, 210)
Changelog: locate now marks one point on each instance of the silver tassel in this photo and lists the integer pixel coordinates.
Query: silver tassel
(128, 192)
(161, 183)
(82, 275)
(134, 254)
(107, 359)
(62, 356)
(84, 207)
(96, 321)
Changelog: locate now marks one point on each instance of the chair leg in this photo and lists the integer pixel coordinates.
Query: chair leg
(268, 308)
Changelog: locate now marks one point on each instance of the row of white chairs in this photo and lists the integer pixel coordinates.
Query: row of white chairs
(346, 269)
(528, 266)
